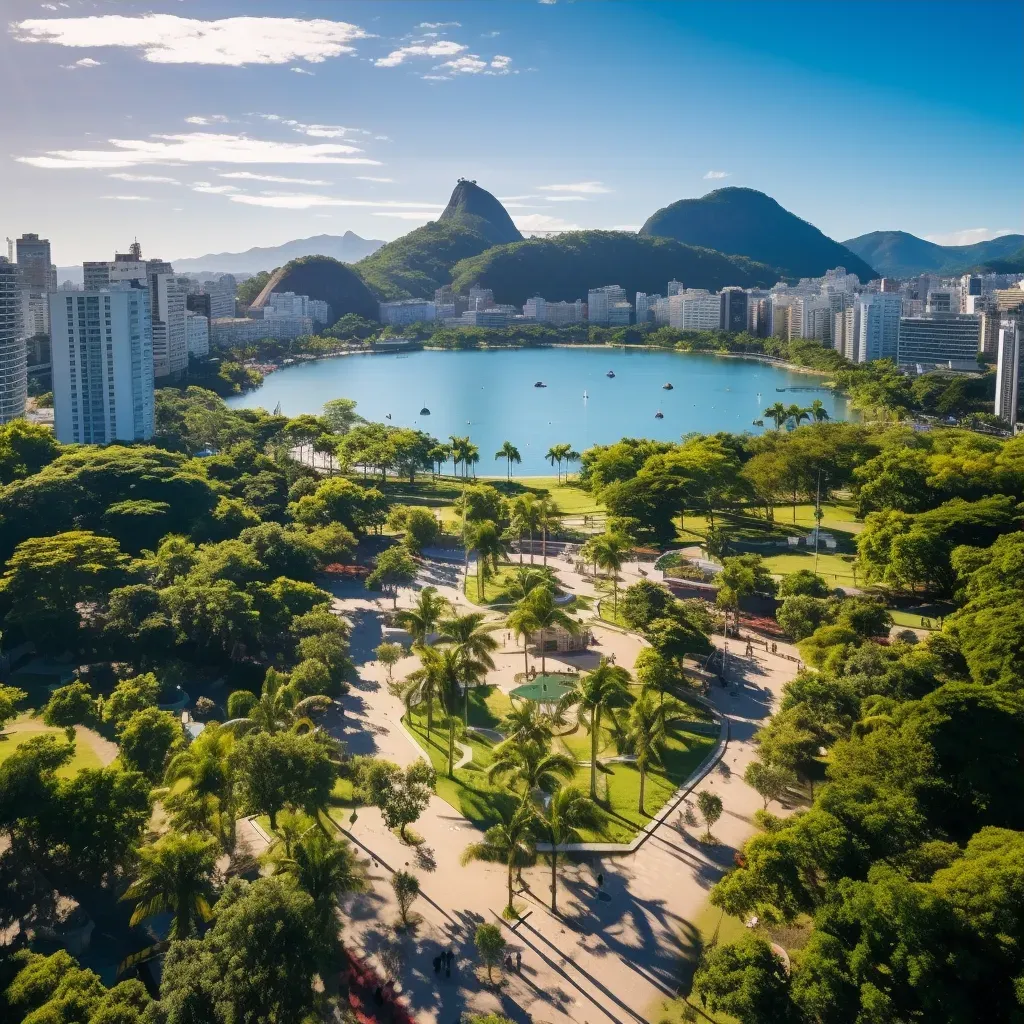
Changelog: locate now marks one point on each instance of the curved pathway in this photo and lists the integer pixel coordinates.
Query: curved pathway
(615, 954)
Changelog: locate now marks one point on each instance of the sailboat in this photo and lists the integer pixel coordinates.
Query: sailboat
(585, 396)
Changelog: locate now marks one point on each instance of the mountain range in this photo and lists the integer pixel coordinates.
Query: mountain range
(899, 254)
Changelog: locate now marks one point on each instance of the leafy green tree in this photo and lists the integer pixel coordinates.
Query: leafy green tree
(532, 765)
(68, 705)
(676, 638)
(788, 741)
(491, 945)
(394, 569)
(421, 529)
(481, 503)
(746, 980)
(473, 642)
(710, 806)
(643, 602)
(771, 782)
(406, 887)
(130, 695)
(217, 619)
(25, 449)
(801, 614)
(147, 739)
(275, 769)
(422, 619)
(486, 541)
(175, 875)
(401, 795)
(654, 673)
(540, 610)
(510, 841)
(601, 692)
(340, 413)
(803, 582)
(389, 655)
(258, 962)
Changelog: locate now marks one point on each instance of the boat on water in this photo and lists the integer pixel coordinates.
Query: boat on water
(666, 386)
(540, 384)
(659, 415)
(424, 411)
(585, 395)
(610, 373)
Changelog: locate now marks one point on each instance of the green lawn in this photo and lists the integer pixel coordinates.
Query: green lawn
(84, 757)
(619, 784)
(836, 569)
(496, 588)
(912, 616)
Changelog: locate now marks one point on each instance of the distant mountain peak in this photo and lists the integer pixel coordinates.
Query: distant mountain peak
(901, 254)
(476, 208)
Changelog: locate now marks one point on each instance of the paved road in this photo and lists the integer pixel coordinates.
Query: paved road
(616, 953)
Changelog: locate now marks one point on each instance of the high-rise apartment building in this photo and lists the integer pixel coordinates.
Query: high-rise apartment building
(102, 351)
(1008, 371)
(167, 293)
(943, 300)
(695, 310)
(13, 350)
(38, 274)
(674, 288)
(939, 338)
(879, 328)
(481, 298)
(846, 332)
(733, 310)
(601, 300)
(197, 334)
(970, 284)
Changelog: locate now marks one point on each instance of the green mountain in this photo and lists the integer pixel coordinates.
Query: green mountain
(1012, 264)
(749, 223)
(899, 254)
(566, 266)
(415, 264)
(325, 278)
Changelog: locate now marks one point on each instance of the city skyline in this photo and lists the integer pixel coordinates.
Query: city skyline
(197, 134)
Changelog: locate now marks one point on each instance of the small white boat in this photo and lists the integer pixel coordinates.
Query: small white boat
(585, 396)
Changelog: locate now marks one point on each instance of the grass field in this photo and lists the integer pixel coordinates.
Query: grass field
(619, 784)
(84, 757)
(837, 570)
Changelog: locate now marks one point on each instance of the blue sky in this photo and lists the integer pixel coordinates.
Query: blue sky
(360, 116)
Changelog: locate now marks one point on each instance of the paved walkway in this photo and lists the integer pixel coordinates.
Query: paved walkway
(615, 954)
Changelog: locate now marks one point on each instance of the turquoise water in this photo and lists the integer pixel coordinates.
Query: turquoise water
(490, 396)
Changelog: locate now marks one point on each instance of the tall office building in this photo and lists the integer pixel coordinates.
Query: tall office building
(846, 332)
(197, 334)
(879, 329)
(734, 310)
(943, 300)
(674, 288)
(38, 274)
(939, 338)
(13, 350)
(1008, 371)
(970, 285)
(481, 298)
(601, 300)
(102, 350)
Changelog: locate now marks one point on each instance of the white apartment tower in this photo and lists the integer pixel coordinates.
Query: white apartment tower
(1008, 372)
(167, 296)
(879, 335)
(102, 351)
(13, 348)
(695, 310)
(197, 334)
(601, 300)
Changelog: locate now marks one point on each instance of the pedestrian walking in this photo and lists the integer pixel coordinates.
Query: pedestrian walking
(448, 957)
(437, 963)
(519, 962)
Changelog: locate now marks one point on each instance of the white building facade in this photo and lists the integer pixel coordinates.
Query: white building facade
(13, 347)
(1008, 372)
(197, 334)
(407, 311)
(879, 336)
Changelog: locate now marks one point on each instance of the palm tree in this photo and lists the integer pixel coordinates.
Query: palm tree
(175, 876)
(778, 413)
(560, 822)
(523, 621)
(510, 841)
(325, 868)
(553, 455)
(510, 453)
(797, 414)
(570, 456)
(470, 457)
(473, 642)
(525, 580)
(818, 411)
(531, 764)
(200, 785)
(602, 691)
(422, 619)
(646, 731)
(443, 665)
(489, 546)
(547, 615)
(278, 711)
(438, 456)
(525, 519)
(607, 552)
(547, 519)
(458, 450)
(526, 723)
(423, 686)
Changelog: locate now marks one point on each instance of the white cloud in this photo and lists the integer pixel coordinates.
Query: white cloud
(567, 199)
(512, 199)
(130, 199)
(86, 62)
(543, 222)
(439, 24)
(302, 71)
(206, 119)
(626, 227)
(383, 181)
(588, 187)
(470, 65)
(968, 236)
(421, 215)
(500, 62)
(323, 131)
(306, 201)
(436, 78)
(278, 178)
(169, 39)
(155, 179)
(715, 175)
(490, 35)
(444, 48)
(198, 147)
(214, 190)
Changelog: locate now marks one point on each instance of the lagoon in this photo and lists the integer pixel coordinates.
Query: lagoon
(490, 395)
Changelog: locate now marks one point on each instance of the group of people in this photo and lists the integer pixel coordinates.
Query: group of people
(444, 959)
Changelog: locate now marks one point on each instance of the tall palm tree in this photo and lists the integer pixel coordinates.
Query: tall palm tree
(278, 711)
(548, 615)
(523, 621)
(421, 620)
(778, 413)
(175, 875)
(570, 456)
(601, 692)
(510, 453)
(538, 768)
(797, 414)
(511, 841)
(487, 541)
(470, 457)
(525, 519)
(424, 685)
(553, 455)
(446, 666)
(608, 552)
(525, 580)
(325, 868)
(438, 456)
(199, 785)
(568, 811)
(646, 731)
(818, 411)
(458, 450)
(526, 723)
(548, 519)
(473, 642)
